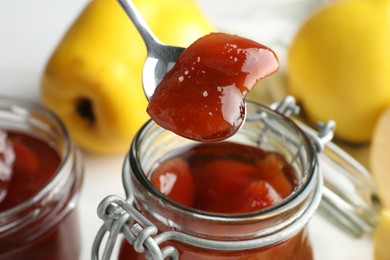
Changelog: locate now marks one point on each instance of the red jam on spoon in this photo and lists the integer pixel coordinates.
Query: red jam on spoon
(202, 96)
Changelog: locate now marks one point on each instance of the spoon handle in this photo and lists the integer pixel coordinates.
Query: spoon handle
(146, 33)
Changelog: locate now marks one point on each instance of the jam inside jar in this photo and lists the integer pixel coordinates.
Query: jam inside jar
(38, 213)
(204, 198)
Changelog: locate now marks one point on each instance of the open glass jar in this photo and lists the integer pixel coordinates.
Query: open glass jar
(152, 226)
(163, 228)
(43, 224)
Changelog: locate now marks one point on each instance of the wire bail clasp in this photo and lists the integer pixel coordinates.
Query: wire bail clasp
(349, 196)
(325, 131)
(120, 216)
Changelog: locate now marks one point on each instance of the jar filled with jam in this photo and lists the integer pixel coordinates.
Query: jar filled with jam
(40, 180)
(248, 197)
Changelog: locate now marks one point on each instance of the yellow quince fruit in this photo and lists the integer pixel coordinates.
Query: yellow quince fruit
(379, 164)
(382, 236)
(93, 78)
(379, 156)
(338, 66)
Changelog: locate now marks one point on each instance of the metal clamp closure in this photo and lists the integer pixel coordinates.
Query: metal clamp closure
(325, 131)
(349, 197)
(120, 216)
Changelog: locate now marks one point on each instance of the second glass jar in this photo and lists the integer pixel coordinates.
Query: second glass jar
(44, 226)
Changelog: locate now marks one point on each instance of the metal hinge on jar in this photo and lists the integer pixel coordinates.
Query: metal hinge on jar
(120, 216)
(349, 197)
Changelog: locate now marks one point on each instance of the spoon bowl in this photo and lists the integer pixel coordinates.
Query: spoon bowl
(160, 57)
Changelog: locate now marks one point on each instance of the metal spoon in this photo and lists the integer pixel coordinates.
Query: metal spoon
(160, 58)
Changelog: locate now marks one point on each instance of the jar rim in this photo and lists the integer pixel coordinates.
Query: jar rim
(303, 190)
(22, 108)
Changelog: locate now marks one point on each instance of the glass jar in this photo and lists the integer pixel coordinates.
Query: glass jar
(45, 226)
(153, 223)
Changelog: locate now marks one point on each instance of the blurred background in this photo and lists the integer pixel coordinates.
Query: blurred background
(30, 32)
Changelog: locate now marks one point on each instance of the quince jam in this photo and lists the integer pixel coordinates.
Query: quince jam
(28, 164)
(227, 178)
(202, 96)
(31, 163)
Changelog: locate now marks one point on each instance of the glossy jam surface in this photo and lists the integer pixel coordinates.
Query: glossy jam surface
(226, 177)
(202, 96)
(29, 164)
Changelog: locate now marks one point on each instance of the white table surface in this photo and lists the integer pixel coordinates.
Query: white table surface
(29, 30)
